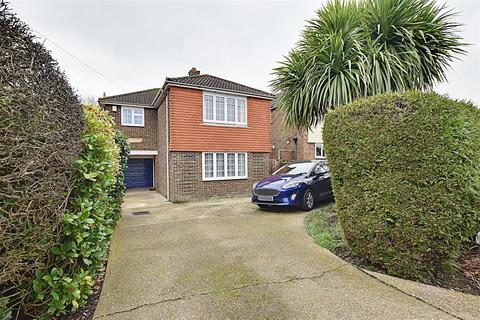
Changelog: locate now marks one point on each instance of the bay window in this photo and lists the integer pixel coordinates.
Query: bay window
(224, 166)
(224, 109)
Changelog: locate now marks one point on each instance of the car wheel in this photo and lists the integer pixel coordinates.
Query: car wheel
(262, 206)
(308, 200)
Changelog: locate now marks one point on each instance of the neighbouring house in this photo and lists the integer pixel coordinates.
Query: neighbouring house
(196, 137)
(289, 144)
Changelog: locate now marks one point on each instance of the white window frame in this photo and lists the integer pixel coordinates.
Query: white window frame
(324, 156)
(225, 177)
(133, 117)
(225, 108)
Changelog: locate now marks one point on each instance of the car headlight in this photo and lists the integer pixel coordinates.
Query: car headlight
(291, 185)
(254, 185)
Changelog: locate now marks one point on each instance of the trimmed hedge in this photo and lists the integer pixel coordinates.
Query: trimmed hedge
(61, 181)
(93, 211)
(41, 123)
(406, 179)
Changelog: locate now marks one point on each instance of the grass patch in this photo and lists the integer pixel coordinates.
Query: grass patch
(322, 225)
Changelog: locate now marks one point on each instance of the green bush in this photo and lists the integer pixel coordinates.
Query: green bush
(41, 124)
(406, 179)
(118, 190)
(93, 210)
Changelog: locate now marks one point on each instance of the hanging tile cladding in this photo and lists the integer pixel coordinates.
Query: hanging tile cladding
(189, 133)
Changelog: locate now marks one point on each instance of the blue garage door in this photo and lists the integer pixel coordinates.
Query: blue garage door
(139, 173)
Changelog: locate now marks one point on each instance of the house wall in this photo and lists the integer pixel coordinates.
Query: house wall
(161, 159)
(282, 140)
(189, 133)
(147, 133)
(186, 177)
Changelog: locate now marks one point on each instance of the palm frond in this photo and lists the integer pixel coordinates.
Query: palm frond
(355, 49)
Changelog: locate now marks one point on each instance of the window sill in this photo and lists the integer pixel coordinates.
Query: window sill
(216, 124)
(132, 125)
(224, 178)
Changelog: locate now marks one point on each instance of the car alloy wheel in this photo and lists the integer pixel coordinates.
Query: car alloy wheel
(308, 200)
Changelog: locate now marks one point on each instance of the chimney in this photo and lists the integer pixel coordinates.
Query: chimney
(193, 72)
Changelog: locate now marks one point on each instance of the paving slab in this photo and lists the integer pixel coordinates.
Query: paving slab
(226, 259)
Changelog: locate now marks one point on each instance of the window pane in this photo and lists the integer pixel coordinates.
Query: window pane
(220, 165)
(241, 110)
(220, 108)
(208, 165)
(231, 109)
(127, 116)
(319, 151)
(138, 117)
(241, 164)
(208, 106)
(231, 164)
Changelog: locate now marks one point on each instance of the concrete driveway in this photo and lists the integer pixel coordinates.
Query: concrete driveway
(225, 259)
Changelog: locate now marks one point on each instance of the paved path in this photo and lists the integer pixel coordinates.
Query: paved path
(225, 259)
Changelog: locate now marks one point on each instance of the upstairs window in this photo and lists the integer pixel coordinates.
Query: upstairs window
(133, 117)
(224, 166)
(224, 109)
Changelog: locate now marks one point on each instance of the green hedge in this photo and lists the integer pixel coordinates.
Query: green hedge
(65, 283)
(406, 179)
(41, 124)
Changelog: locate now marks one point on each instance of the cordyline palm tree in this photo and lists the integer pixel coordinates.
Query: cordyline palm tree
(355, 49)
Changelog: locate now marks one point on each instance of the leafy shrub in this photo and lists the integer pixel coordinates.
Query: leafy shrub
(87, 226)
(118, 190)
(406, 178)
(40, 128)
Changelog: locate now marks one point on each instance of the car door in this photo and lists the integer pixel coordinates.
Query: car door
(322, 182)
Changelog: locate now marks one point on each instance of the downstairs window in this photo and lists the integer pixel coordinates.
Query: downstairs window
(224, 166)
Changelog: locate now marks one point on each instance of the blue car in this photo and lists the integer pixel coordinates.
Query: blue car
(299, 184)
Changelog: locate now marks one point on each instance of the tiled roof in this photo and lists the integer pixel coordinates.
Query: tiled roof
(211, 82)
(141, 98)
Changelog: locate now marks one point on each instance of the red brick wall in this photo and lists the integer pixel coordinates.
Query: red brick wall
(189, 133)
(280, 136)
(147, 133)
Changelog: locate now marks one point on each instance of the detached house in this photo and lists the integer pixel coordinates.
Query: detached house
(198, 136)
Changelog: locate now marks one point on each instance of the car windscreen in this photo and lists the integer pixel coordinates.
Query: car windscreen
(295, 168)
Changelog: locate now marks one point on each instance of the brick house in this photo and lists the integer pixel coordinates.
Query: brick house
(290, 144)
(196, 137)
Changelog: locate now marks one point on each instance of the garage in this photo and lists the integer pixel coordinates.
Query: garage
(139, 173)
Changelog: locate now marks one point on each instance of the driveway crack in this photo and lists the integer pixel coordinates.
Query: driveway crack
(238, 288)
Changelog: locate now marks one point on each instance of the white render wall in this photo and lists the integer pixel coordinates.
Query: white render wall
(315, 134)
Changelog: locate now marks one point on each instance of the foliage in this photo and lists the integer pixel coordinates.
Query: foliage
(355, 49)
(118, 190)
(93, 210)
(40, 128)
(322, 225)
(406, 178)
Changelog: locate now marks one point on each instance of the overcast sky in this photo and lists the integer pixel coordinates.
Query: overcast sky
(135, 44)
